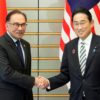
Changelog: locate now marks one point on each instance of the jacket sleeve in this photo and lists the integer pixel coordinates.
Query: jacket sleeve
(63, 77)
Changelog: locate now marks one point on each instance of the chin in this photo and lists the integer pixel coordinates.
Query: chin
(19, 37)
(82, 37)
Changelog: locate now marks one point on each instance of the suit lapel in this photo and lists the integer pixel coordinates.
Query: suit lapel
(10, 41)
(92, 51)
(75, 56)
(13, 46)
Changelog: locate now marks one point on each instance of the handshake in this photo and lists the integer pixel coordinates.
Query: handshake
(41, 82)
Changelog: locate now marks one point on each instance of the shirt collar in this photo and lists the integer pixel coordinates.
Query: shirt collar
(87, 40)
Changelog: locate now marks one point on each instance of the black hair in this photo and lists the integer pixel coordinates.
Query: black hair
(15, 12)
(84, 11)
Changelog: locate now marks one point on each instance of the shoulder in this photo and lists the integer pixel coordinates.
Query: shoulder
(96, 36)
(72, 42)
(25, 42)
(3, 40)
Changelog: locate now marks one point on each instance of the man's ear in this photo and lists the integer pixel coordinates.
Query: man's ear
(6, 25)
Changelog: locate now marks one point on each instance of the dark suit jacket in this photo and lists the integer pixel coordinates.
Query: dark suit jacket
(15, 80)
(70, 71)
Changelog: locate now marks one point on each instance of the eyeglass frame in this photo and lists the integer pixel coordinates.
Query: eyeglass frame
(16, 25)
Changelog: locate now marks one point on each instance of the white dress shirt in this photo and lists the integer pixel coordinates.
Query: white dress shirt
(87, 42)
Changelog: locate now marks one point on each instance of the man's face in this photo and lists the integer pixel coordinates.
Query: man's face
(82, 25)
(16, 26)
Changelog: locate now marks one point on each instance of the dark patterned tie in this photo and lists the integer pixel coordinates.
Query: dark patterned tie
(82, 58)
(19, 49)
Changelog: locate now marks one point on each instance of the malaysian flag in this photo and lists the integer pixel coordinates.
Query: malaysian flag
(67, 33)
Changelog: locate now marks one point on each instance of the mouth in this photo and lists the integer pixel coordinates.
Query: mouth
(80, 33)
(19, 32)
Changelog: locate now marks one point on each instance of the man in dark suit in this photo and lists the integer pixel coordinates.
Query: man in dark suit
(80, 64)
(15, 65)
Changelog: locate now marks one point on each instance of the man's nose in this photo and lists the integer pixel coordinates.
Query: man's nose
(20, 27)
(79, 26)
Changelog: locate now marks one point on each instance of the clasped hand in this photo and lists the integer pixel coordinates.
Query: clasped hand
(41, 82)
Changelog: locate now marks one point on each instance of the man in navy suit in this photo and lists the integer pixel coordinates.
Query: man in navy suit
(15, 69)
(85, 81)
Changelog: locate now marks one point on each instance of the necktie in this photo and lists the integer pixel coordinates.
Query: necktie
(19, 49)
(82, 58)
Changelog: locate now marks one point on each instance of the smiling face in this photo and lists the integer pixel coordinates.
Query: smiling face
(82, 26)
(16, 26)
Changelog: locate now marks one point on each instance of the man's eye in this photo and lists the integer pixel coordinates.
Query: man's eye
(16, 24)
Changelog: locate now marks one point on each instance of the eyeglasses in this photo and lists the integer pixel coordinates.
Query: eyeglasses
(16, 25)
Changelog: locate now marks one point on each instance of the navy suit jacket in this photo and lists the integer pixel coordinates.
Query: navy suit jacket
(70, 71)
(15, 80)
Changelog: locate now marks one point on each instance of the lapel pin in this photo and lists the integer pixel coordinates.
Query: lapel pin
(73, 51)
(23, 45)
(94, 49)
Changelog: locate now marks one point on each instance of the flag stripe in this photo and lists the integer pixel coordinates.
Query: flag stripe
(62, 44)
(64, 36)
(66, 28)
(68, 10)
(97, 12)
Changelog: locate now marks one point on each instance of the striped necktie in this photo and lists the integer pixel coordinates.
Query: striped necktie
(82, 58)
